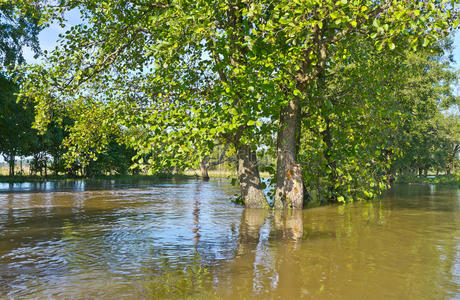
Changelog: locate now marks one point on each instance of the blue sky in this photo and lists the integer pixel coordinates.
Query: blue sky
(457, 50)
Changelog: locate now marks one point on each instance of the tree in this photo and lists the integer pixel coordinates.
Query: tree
(16, 133)
(171, 78)
(313, 37)
(16, 31)
(426, 134)
(216, 159)
(351, 115)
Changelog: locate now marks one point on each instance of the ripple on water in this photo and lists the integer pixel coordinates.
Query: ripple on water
(185, 239)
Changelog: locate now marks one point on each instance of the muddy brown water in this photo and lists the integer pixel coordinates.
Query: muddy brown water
(184, 239)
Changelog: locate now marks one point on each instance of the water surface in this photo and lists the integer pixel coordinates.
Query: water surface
(183, 238)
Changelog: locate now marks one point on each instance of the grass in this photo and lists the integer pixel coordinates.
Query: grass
(212, 173)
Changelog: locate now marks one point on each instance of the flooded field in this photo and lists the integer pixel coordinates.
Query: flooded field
(185, 239)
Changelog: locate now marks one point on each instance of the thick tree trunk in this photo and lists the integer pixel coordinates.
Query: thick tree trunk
(289, 184)
(249, 178)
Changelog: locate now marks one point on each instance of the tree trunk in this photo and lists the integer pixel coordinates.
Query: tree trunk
(55, 163)
(450, 161)
(331, 164)
(289, 184)
(11, 164)
(204, 170)
(204, 166)
(425, 172)
(248, 175)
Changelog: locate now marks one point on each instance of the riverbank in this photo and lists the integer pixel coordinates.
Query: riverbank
(433, 179)
(37, 178)
(186, 174)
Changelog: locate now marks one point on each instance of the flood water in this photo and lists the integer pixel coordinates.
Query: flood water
(184, 239)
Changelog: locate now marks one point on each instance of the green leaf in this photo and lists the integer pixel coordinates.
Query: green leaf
(297, 93)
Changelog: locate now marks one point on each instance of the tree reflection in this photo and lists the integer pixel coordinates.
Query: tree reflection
(377, 250)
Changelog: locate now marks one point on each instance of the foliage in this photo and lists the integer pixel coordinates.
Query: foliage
(359, 119)
(17, 30)
(440, 179)
(17, 136)
(117, 159)
(169, 79)
(429, 135)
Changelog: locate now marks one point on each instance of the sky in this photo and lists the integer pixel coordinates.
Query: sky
(457, 56)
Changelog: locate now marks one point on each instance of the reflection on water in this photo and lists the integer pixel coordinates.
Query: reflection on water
(184, 239)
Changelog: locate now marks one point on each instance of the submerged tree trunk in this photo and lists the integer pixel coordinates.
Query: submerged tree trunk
(11, 163)
(206, 162)
(204, 166)
(248, 175)
(289, 184)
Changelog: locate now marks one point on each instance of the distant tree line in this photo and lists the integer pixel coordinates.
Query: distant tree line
(18, 137)
(45, 152)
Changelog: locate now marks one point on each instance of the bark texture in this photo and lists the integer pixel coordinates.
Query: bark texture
(289, 184)
(249, 178)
